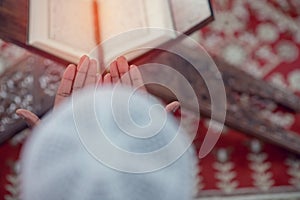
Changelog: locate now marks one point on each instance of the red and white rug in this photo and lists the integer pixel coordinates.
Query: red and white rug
(261, 37)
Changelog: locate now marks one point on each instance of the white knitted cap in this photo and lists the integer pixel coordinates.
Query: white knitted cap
(57, 163)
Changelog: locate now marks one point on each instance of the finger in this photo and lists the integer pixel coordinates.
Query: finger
(126, 79)
(123, 66)
(107, 79)
(91, 77)
(173, 106)
(31, 119)
(113, 68)
(123, 69)
(81, 74)
(66, 84)
(82, 58)
(136, 78)
(99, 79)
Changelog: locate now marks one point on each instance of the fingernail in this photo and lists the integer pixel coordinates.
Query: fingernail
(176, 108)
(21, 116)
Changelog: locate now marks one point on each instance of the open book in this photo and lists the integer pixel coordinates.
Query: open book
(70, 28)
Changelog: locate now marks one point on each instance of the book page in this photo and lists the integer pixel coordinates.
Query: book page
(117, 16)
(187, 16)
(78, 26)
(72, 23)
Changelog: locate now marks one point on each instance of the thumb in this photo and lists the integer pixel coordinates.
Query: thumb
(173, 106)
(30, 118)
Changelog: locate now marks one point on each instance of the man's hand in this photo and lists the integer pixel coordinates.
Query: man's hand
(78, 77)
(120, 71)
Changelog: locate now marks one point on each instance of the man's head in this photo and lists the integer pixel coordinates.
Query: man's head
(111, 143)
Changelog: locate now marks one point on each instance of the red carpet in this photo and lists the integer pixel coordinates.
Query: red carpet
(262, 38)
